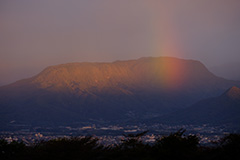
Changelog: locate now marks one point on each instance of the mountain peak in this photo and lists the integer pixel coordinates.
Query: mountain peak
(122, 90)
(233, 93)
(161, 72)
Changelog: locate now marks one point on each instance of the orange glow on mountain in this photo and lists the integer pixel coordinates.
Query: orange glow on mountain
(166, 41)
(163, 72)
(170, 73)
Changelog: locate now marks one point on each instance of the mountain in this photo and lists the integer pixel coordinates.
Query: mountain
(122, 90)
(227, 70)
(224, 109)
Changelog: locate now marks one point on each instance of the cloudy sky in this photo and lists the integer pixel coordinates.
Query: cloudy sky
(37, 33)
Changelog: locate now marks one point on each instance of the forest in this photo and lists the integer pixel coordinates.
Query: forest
(174, 146)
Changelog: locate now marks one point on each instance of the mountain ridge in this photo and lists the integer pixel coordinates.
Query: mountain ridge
(132, 89)
(223, 109)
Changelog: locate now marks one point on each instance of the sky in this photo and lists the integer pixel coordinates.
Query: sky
(35, 34)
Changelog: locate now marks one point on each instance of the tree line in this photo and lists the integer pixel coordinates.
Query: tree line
(174, 146)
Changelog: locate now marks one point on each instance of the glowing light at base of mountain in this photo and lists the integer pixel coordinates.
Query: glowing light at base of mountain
(171, 74)
(166, 41)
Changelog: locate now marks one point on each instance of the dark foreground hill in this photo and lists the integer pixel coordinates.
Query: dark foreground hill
(122, 90)
(224, 109)
(172, 147)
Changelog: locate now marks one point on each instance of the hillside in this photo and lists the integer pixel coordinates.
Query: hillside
(228, 70)
(224, 109)
(134, 89)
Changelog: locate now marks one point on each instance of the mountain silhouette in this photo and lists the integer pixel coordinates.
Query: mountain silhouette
(122, 90)
(227, 70)
(224, 109)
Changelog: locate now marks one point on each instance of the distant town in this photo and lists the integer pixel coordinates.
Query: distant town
(113, 134)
